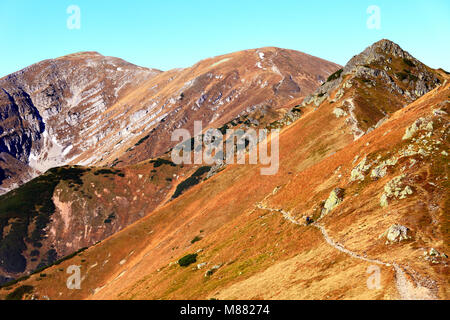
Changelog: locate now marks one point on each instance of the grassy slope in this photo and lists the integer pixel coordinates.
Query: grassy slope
(263, 255)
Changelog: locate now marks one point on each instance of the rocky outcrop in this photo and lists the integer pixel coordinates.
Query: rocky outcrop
(21, 125)
(396, 233)
(358, 172)
(383, 70)
(395, 189)
(381, 170)
(435, 257)
(419, 124)
(335, 199)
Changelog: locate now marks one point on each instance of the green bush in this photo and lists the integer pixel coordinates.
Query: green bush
(408, 62)
(406, 75)
(188, 260)
(106, 172)
(110, 218)
(335, 75)
(191, 181)
(19, 292)
(159, 162)
(401, 75)
(142, 140)
(196, 239)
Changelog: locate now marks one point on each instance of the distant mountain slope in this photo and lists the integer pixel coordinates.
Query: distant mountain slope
(376, 195)
(89, 109)
(218, 89)
(47, 109)
(93, 110)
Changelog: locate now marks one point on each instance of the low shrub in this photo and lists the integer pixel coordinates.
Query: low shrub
(335, 75)
(193, 180)
(142, 140)
(187, 260)
(196, 239)
(19, 292)
(408, 62)
(159, 162)
(110, 218)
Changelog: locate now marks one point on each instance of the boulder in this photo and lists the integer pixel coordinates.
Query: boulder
(359, 171)
(338, 112)
(397, 233)
(201, 265)
(381, 170)
(395, 189)
(335, 199)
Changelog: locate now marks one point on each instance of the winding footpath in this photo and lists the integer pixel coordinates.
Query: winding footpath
(407, 290)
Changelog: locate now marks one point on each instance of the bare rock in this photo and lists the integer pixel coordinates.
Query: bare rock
(335, 199)
(397, 233)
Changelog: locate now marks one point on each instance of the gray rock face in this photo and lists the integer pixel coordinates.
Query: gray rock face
(376, 53)
(383, 67)
(47, 108)
(381, 170)
(395, 189)
(358, 172)
(20, 124)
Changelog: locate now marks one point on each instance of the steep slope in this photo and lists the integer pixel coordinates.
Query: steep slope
(37, 116)
(378, 202)
(374, 84)
(86, 109)
(79, 206)
(47, 108)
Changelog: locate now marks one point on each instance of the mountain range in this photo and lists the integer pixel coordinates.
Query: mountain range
(88, 180)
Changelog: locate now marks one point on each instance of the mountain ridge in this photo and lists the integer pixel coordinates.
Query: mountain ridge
(110, 104)
(253, 237)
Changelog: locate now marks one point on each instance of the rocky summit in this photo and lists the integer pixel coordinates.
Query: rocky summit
(362, 180)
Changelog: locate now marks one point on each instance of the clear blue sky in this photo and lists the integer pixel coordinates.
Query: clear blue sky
(171, 33)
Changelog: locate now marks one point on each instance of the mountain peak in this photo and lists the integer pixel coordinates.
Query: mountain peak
(381, 51)
(377, 82)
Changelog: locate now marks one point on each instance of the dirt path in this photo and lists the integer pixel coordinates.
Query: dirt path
(407, 290)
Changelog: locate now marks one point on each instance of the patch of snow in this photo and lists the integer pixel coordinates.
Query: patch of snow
(67, 150)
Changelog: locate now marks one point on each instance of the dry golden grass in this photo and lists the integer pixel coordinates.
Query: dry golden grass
(264, 256)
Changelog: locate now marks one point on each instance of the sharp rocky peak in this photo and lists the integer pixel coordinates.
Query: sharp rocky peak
(383, 60)
(380, 51)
